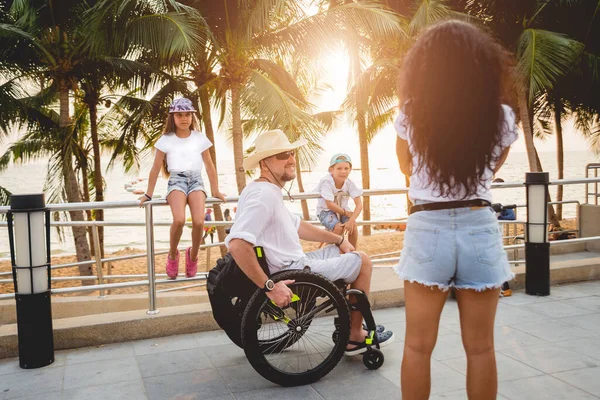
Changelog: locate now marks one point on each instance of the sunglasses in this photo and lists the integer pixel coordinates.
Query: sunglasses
(285, 155)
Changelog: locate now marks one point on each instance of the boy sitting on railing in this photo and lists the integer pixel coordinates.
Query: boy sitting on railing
(332, 207)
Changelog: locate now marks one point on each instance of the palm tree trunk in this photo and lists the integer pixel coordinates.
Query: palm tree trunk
(98, 181)
(88, 213)
(304, 203)
(560, 155)
(82, 247)
(237, 136)
(364, 170)
(210, 134)
(534, 161)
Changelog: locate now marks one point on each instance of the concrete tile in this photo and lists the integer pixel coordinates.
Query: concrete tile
(589, 347)
(508, 368)
(128, 390)
(31, 382)
(366, 387)
(448, 346)
(591, 287)
(542, 388)
(511, 315)
(387, 315)
(45, 396)
(555, 309)
(195, 385)
(585, 379)
(591, 303)
(101, 372)
(450, 324)
(444, 378)
(172, 362)
(591, 322)
(11, 365)
(550, 358)
(292, 393)
(520, 298)
(169, 343)
(457, 395)
(211, 338)
(553, 330)
(225, 355)
(565, 292)
(506, 337)
(99, 353)
(242, 378)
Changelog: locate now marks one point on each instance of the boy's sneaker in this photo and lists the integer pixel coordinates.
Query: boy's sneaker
(173, 266)
(506, 293)
(191, 267)
(384, 338)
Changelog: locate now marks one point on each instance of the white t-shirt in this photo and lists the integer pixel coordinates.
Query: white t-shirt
(419, 187)
(326, 188)
(263, 220)
(184, 154)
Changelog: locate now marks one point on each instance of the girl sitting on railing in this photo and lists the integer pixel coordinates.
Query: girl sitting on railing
(182, 152)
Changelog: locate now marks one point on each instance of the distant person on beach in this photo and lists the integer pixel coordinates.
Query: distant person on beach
(454, 133)
(182, 152)
(332, 207)
(263, 220)
(209, 230)
(227, 217)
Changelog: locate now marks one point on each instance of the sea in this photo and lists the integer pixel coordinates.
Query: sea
(385, 174)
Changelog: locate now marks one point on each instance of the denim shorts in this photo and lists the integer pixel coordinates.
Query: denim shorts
(329, 219)
(328, 262)
(459, 248)
(186, 182)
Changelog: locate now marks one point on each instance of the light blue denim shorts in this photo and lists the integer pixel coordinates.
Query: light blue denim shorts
(329, 219)
(459, 248)
(186, 182)
(328, 261)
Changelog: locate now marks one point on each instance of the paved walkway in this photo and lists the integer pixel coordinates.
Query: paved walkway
(547, 348)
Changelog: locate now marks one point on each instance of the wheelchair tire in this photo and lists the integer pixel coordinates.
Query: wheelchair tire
(297, 353)
(373, 359)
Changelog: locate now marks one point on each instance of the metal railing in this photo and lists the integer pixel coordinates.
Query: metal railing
(153, 279)
(588, 168)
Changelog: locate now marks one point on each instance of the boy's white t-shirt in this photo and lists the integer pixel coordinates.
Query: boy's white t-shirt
(327, 190)
(184, 154)
(419, 188)
(263, 220)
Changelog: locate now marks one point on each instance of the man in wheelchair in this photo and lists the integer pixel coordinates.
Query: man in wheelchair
(263, 220)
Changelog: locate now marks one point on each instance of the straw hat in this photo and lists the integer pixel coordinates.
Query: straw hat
(268, 144)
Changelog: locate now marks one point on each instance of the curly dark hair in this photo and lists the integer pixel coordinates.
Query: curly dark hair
(451, 87)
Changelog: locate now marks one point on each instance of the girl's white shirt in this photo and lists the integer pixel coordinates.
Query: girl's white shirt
(419, 187)
(184, 154)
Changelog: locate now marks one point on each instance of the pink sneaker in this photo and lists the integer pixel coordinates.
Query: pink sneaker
(191, 267)
(173, 266)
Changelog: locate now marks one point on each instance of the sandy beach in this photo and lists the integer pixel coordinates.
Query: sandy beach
(381, 241)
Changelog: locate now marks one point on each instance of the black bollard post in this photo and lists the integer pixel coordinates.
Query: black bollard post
(537, 248)
(29, 237)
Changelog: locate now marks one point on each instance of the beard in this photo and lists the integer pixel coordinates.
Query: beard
(288, 175)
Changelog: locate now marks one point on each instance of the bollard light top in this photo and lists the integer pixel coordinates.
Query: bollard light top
(537, 178)
(26, 202)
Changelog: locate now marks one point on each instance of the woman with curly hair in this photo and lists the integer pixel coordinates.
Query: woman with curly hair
(454, 133)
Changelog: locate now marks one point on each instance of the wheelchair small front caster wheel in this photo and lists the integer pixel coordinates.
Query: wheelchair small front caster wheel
(373, 359)
(335, 336)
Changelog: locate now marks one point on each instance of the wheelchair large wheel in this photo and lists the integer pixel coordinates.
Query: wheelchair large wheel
(293, 346)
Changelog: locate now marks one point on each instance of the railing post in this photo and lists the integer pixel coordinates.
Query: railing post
(150, 261)
(98, 258)
(537, 248)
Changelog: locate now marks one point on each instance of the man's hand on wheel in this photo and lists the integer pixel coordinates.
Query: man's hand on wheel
(281, 295)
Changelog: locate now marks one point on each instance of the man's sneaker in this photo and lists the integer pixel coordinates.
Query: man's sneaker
(506, 293)
(384, 338)
(173, 266)
(191, 267)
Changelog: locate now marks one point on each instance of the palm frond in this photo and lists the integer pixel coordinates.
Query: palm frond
(4, 199)
(428, 12)
(543, 57)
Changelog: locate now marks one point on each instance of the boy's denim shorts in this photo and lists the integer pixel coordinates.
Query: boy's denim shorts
(186, 182)
(329, 219)
(328, 261)
(459, 248)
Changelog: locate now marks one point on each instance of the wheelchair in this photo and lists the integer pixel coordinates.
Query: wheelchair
(299, 343)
